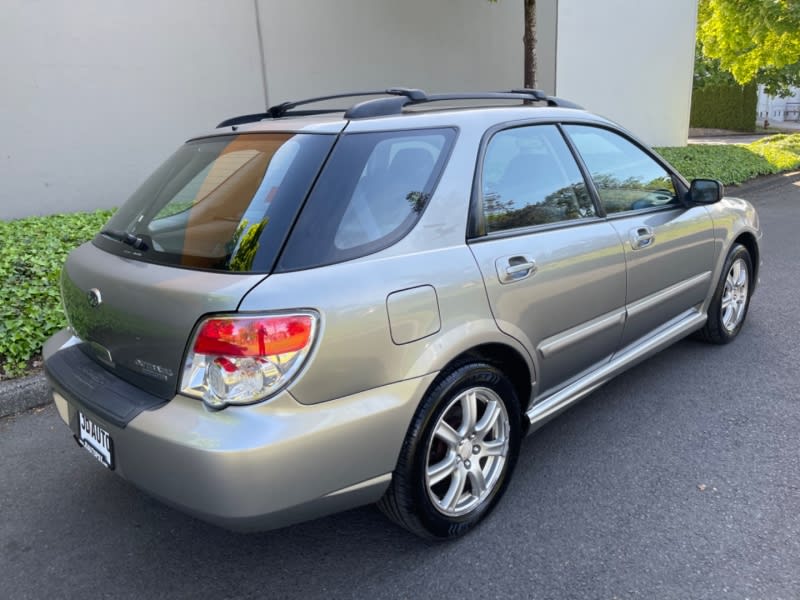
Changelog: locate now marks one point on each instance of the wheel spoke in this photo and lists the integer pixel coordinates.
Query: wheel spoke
(469, 412)
(727, 320)
(444, 468)
(447, 434)
(455, 490)
(736, 272)
(741, 274)
(494, 448)
(477, 480)
(738, 311)
(488, 419)
(726, 303)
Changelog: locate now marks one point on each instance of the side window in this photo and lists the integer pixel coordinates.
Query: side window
(530, 178)
(390, 189)
(625, 176)
(370, 193)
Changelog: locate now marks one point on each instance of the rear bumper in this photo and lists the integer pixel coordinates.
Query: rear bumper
(261, 466)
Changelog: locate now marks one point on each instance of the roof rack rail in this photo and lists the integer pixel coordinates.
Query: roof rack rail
(551, 100)
(283, 109)
(397, 99)
(392, 106)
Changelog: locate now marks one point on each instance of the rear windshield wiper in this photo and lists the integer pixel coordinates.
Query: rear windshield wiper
(126, 238)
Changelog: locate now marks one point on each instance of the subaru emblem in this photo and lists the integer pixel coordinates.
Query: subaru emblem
(94, 297)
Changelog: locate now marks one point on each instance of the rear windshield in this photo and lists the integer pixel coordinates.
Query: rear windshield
(372, 191)
(223, 203)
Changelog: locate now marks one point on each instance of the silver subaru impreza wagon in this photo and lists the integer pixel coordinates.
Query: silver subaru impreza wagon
(307, 310)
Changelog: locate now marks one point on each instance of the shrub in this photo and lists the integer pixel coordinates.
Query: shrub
(32, 251)
(726, 162)
(736, 163)
(724, 107)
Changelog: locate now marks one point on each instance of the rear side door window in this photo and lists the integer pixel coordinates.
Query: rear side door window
(625, 176)
(530, 178)
(371, 192)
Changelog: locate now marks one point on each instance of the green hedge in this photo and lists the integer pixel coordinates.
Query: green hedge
(724, 107)
(736, 163)
(32, 251)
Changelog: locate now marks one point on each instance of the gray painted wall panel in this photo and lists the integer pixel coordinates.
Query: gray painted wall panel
(99, 93)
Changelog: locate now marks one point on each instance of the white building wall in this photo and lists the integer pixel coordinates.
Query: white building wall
(314, 46)
(95, 94)
(631, 61)
(777, 110)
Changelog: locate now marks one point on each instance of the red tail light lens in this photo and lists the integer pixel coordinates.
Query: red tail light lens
(259, 336)
(240, 360)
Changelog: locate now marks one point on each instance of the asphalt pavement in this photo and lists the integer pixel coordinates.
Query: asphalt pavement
(679, 479)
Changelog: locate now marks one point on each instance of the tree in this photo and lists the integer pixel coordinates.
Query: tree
(529, 42)
(752, 40)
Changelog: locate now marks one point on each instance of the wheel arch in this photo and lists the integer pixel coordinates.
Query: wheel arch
(748, 240)
(505, 358)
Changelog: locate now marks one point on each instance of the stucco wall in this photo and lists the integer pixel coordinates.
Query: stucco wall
(631, 62)
(95, 94)
(442, 45)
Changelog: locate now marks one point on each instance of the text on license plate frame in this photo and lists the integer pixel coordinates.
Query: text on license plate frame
(95, 440)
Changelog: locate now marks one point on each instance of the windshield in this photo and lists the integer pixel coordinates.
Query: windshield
(223, 203)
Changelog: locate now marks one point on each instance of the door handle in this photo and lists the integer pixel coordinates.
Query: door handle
(515, 268)
(642, 237)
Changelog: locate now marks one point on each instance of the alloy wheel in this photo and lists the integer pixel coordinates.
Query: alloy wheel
(467, 452)
(734, 295)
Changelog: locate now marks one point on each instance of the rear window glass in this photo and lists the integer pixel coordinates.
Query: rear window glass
(223, 203)
(370, 194)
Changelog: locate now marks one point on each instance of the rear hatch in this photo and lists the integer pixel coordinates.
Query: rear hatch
(193, 240)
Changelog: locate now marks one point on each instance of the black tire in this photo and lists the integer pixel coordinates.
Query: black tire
(715, 330)
(408, 501)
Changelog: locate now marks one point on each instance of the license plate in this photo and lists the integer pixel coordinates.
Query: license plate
(95, 440)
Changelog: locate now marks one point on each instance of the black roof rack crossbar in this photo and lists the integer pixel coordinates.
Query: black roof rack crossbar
(392, 106)
(551, 100)
(286, 108)
(398, 98)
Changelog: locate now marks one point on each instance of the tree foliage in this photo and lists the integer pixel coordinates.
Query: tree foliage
(753, 40)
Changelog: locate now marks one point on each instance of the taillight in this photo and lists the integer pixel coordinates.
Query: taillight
(245, 359)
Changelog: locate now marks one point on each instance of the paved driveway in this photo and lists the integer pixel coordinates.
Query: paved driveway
(680, 479)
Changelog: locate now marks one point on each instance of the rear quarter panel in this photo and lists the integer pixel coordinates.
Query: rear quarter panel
(355, 350)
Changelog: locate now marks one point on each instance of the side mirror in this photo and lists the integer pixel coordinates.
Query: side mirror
(705, 191)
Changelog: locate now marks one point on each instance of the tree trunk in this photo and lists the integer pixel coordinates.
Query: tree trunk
(529, 41)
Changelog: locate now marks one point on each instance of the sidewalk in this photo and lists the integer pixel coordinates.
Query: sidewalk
(721, 136)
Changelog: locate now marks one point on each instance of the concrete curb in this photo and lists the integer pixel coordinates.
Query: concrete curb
(762, 184)
(19, 395)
